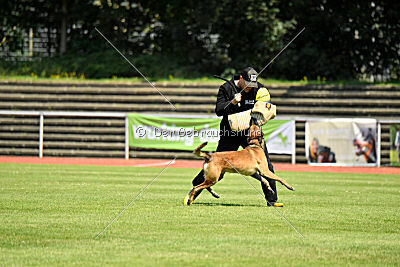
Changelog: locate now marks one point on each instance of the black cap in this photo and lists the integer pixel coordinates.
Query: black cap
(250, 77)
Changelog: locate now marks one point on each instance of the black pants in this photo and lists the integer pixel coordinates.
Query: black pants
(232, 144)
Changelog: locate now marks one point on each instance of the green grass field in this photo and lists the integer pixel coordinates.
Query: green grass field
(49, 215)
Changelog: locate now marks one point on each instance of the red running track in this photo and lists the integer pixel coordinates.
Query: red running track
(189, 164)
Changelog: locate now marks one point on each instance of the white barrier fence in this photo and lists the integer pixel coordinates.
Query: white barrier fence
(43, 114)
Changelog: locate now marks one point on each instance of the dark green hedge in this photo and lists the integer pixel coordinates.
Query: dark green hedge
(101, 65)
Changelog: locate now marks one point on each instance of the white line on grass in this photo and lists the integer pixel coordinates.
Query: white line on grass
(152, 164)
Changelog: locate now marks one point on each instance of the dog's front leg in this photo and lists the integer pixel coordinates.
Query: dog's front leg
(275, 177)
(264, 181)
(264, 171)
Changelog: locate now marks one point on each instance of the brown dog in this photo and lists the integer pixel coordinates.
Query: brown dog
(247, 162)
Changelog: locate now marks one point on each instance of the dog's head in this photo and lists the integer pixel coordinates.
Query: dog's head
(256, 136)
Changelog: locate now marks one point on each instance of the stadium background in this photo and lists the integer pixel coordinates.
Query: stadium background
(344, 65)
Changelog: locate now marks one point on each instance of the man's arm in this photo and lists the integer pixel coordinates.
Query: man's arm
(224, 105)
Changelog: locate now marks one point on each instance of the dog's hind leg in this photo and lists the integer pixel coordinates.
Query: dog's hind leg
(209, 189)
(212, 192)
(211, 174)
(205, 184)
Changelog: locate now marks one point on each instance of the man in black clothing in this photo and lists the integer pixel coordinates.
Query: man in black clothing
(237, 95)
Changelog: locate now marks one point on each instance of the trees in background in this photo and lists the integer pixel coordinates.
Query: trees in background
(343, 39)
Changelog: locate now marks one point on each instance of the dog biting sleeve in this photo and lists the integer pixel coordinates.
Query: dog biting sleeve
(262, 112)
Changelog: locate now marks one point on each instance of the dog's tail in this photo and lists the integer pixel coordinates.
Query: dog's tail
(200, 153)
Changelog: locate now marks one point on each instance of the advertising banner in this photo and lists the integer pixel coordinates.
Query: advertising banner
(281, 136)
(395, 145)
(346, 142)
(177, 133)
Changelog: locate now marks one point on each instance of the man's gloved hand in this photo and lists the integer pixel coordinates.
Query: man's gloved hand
(237, 99)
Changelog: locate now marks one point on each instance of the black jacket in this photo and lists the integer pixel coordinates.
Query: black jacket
(224, 107)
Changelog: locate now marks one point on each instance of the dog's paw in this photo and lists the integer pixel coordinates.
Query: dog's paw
(186, 201)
